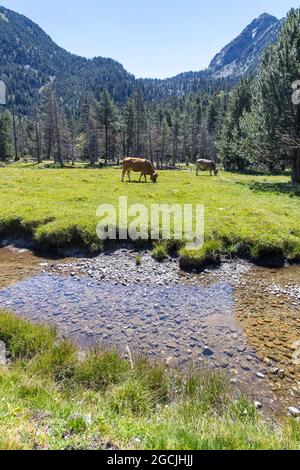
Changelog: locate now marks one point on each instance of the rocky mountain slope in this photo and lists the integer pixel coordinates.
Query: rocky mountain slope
(244, 53)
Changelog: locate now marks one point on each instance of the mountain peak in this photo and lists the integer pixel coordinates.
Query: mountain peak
(244, 53)
(264, 16)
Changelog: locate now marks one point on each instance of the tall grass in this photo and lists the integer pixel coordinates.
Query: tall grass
(51, 398)
(23, 339)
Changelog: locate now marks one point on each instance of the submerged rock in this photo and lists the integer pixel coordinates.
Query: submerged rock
(295, 412)
(208, 352)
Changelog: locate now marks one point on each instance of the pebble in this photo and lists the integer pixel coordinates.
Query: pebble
(230, 353)
(260, 375)
(295, 412)
(245, 366)
(208, 352)
(267, 362)
(258, 405)
(224, 364)
(171, 362)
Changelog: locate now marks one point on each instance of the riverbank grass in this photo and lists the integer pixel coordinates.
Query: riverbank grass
(53, 397)
(246, 215)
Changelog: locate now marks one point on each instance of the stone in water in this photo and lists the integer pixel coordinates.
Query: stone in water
(208, 352)
(295, 412)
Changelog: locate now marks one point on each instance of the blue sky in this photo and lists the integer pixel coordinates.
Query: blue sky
(151, 38)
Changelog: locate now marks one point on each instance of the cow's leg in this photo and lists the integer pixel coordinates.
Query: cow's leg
(123, 174)
(128, 174)
(197, 172)
(141, 177)
(145, 178)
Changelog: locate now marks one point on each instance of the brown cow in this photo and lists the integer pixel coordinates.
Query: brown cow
(207, 165)
(139, 165)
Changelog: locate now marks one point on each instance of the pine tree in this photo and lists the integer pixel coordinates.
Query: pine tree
(275, 117)
(38, 139)
(176, 136)
(5, 136)
(107, 118)
(230, 135)
(130, 127)
(58, 132)
(165, 141)
(15, 129)
(71, 128)
(88, 141)
(140, 120)
(47, 115)
(212, 116)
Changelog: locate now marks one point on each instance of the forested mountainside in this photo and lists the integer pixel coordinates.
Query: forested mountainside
(70, 109)
(30, 59)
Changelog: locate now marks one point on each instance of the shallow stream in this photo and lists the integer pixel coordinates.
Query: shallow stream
(240, 318)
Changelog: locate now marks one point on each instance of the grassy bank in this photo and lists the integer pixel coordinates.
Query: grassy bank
(51, 398)
(253, 216)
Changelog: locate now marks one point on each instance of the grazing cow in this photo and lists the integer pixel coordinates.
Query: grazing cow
(207, 165)
(139, 165)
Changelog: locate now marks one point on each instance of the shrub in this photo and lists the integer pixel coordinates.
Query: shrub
(59, 362)
(174, 246)
(160, 252)
(77, 424)
(131, 397)
(268, 255)
(210, 389)
(209, 254)
(101, 369)
(242, 409)
(154, 377)
(22, 338)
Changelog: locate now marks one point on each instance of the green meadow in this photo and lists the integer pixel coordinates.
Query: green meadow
(255, 216)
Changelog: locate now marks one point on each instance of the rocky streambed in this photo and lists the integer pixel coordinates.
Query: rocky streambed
(239, 318)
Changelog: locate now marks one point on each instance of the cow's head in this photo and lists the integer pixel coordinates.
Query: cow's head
(154, 177)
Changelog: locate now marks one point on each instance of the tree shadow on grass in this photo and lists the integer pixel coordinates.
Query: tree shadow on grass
(293, 190)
